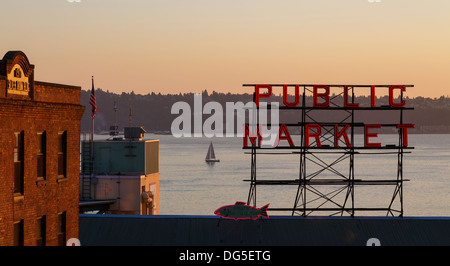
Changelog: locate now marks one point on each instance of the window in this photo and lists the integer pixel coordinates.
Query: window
(18, 163)
(61, 229)
(18, 233)
(40, 231)
(62, 154)
(41, 154)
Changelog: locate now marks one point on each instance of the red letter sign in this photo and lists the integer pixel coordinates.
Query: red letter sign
(391, 96)
(368, 135)
(346, 104)
(372, 96)
(338, 135)
(252, 137)
(264, 95)
(315, 135)
(325, 95)
(286, 136)
(405, 132)
(285, 95)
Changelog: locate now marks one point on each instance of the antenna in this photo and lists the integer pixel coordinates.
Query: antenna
(131, 115)
(115, 114)
(114, 130)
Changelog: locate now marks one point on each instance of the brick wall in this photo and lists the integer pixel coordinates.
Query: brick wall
(2, 87)
(53, 195)
(51, 92)
(46, 107)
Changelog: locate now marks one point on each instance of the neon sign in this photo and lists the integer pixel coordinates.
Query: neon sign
(321, 100)
(242, 211)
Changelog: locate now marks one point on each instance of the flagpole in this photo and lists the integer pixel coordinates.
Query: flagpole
(94, 106)
(92, 132)
(93, 102)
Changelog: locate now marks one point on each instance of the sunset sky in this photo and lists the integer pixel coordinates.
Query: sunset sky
(173, 46)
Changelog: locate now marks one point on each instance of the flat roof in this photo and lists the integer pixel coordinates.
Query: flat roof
(288, 217)
(209, 230)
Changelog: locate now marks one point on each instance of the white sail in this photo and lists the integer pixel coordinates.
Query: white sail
(210, 155)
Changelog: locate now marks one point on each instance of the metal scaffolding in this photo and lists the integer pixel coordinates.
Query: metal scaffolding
(339, 196)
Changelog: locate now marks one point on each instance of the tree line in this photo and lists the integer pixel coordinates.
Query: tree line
(153, 110)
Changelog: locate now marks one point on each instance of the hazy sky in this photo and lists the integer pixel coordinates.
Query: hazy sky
(170, 46)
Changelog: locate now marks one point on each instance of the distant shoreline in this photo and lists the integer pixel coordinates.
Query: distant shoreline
(153, 111)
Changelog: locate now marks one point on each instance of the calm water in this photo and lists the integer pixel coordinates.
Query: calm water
(190, 186)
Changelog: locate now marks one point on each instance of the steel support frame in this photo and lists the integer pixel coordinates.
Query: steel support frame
(308, 193)
(301, 203)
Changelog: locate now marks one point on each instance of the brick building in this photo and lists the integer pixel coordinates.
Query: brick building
(39, 156)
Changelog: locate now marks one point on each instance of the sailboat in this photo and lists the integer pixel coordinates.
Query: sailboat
(210, 156)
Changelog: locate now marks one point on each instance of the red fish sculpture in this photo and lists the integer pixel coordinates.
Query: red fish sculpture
(241, 211)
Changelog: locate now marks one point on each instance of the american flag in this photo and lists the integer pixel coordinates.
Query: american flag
(92, 100)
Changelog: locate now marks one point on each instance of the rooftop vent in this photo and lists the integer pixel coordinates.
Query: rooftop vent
(134, 133)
